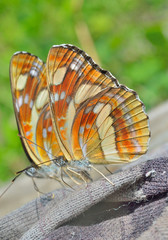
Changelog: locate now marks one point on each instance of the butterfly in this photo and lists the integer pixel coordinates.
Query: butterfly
(72, 114)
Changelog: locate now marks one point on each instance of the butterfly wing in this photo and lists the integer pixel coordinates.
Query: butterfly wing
(111, 127)
(73, 78)
(94, 116)
(30, 99)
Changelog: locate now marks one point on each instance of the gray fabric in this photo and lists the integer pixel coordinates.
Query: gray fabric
(159, 228)
(136, 207)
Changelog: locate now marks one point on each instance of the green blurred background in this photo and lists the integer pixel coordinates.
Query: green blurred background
(127, 37)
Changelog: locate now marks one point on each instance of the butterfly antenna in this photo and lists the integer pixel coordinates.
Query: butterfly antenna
(21, 171)
(102, 174)
(18, 174)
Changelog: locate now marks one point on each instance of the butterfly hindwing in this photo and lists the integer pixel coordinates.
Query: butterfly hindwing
(30, 98)
(112, 127)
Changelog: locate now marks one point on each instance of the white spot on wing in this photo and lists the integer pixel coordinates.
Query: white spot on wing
(62, 95)
(81, 130)
(49, 128)
(26, 99)
(28, 133)
(20, 101)
(44, 133)
(31, 104)
(76, 64)
(56, 97)
(34, 72)
(36, 64)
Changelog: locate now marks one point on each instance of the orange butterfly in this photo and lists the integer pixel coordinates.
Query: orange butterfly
(72, 114)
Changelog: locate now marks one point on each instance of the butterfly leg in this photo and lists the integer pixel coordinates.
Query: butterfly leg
(36, 187)
(80, 174)
(108, 180)
(71, 175)
(49, 195)
(63, 181)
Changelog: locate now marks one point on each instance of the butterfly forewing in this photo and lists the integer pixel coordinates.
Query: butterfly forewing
(73, 78)
(30, 98)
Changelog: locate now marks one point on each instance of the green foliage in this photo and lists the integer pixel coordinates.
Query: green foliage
(129, 36)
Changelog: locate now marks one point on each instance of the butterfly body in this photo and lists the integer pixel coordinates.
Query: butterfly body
(47, 171)
(72, 114)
